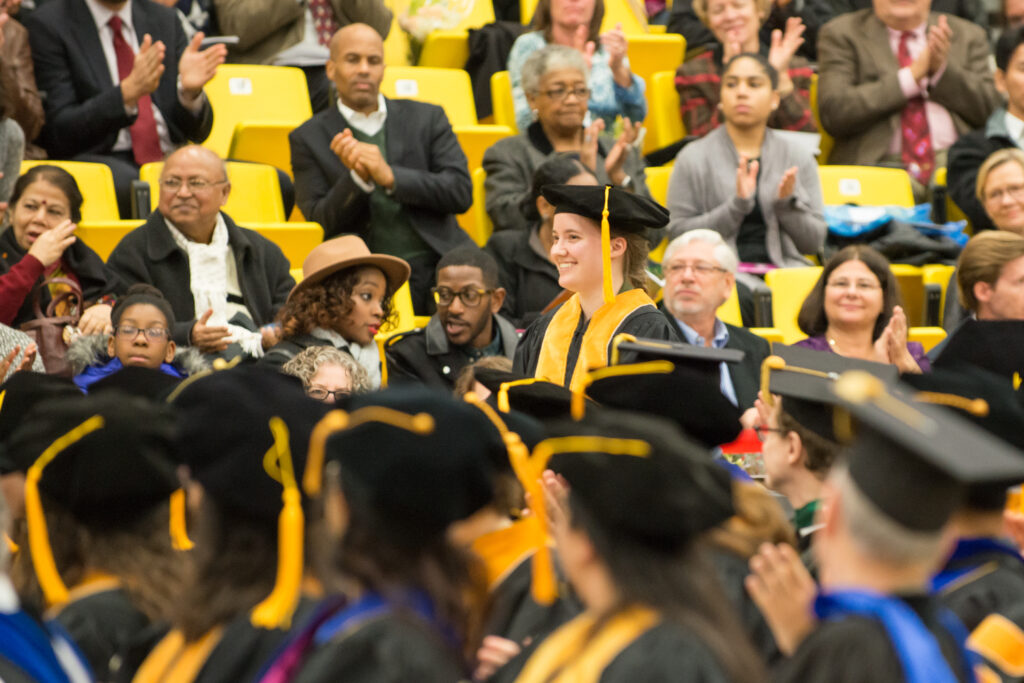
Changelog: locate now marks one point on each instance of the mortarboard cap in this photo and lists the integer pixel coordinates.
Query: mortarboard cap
(833, 363)
(995, 345)
(627, 211)
(697, 404)
(149, 383)
(807, 394)
(531, 396)
(18, 395)
(912, 460)
(412, 460)
(702, 359)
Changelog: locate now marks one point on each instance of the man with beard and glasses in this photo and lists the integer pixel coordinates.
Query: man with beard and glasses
(465, 328)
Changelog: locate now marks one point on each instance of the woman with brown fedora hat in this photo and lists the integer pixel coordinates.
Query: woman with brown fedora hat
(343, 299)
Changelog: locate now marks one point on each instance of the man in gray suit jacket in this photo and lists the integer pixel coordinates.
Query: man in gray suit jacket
(862, 90)
(390, 171)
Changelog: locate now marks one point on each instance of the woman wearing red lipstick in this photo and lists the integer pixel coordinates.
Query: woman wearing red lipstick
(46, 205)
(344, 297)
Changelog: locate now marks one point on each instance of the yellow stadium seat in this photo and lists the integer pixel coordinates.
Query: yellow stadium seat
(103, 236)
(396, 46)
(790, 286)
(263, 142)
(296, 274)
(475, 140)
(865, 186)
(649, 54)
(729, 312)
(255, 191)
(927, 336)
(939, 274)
(953, 212)
(665, 125)
(295, 239)
(912, 292)
(253, 93)
(448, 88)
(825, 146)
(657, 182)
(405, 319)
(96, 183)
(476, 222)
(502, 102)
(629, 13)
(445, 49)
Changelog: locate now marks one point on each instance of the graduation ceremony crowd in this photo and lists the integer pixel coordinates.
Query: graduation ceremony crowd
(567, 456)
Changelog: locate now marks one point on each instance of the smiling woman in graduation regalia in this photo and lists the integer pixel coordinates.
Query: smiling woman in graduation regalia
(601, 257)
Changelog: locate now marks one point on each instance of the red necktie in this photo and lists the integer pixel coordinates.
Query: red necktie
(145, 141)
(323, 20)
(917, 153)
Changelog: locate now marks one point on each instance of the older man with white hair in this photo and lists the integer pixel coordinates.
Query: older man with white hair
(700, 273)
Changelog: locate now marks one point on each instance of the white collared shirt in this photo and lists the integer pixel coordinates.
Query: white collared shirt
(102, 16)
(367, 124)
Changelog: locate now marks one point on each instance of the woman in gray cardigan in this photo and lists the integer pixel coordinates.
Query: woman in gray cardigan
(745, 181)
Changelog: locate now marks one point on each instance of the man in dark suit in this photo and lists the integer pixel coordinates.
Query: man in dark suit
(223, 282)
(122, 84)
(899, 83)
(700, 273)
(390, 171)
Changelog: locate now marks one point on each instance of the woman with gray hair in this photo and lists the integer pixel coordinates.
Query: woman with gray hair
(328, 374)
(555, 79)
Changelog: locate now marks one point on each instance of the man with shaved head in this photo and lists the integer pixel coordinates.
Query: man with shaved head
(390, 171)
(223, 282)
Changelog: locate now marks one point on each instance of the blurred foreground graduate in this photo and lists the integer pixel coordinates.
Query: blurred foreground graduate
(627, 508)
(391, 477)
(99, 497)
(602, 259)
(884, 517)
(244, 434)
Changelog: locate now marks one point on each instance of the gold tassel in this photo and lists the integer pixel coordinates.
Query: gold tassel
(45, 566)
(978, 407)
(503, 404)
(767, 365)
(179, 526)
(606, 250)
(12, 547)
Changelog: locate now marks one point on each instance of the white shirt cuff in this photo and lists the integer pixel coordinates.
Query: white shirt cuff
(362, 184)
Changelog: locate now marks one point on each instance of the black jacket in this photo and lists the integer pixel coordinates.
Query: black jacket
(84, 109)
(149, 254)
(965, 158)
(746, 375)
(424, 355)
(431, 176)
(529, 279)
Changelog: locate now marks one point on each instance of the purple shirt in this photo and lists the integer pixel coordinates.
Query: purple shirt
(820, 343)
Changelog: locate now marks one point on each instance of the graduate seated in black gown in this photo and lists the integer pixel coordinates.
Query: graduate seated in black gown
(884, 515)
(627, 501)
(98, 553)
(391, 476)
(32, 651)
(244, 434)
(607, 284)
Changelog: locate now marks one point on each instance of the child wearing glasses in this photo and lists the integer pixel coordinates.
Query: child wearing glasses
(141, 320)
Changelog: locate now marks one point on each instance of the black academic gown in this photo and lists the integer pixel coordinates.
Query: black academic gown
(646, 322)
(857, 650)
(11, 673)
(515, 615)
(390, 648)
(732, 570)
(662, 654)
(984, 579)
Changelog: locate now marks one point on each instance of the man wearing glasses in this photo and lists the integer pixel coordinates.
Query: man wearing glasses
(700, 273)
(465, 328)
(225, 283)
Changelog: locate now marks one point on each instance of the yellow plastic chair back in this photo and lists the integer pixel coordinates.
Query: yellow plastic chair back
(790, 286)
(476, 222)
(649, 54)
(295, 239)
(296, 274)
(665, 125)
(657, 182)
(475, 140)
(953, 212)
(103, 236)
(865, 186)
(405, 318)
(255, 191)
(396, 45)
(254, 93)
(827, 141)
(445, 49)
(729, 312)
(912, 292)
(96, 183)
(630, 13)
(501, 100)
(264, 143)
(927, 336)
(939, 274)
(448, 88)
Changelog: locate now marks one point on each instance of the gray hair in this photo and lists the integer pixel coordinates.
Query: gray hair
(724, 254)
(551, 58)
(877, 535)
(308, 361)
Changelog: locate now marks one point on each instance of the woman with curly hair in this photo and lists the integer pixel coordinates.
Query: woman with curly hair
(343, 299)
(328, 374)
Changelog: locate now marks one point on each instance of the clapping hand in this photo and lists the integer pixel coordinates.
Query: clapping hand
(196, 67)
(784, 46)
(784, 592)
(26, 360)
(788, 183)
(746, 177)
(614, 163)
(146, 71)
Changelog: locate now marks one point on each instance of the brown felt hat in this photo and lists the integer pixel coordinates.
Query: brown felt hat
(349, 251)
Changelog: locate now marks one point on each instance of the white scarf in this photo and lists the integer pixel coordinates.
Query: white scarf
(367, 356)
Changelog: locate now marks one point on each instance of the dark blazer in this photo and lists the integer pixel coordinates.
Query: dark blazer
(84, 110)
(149, 254)
(746, 375)
(859, 94)
(426, 356)
(431, 175)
